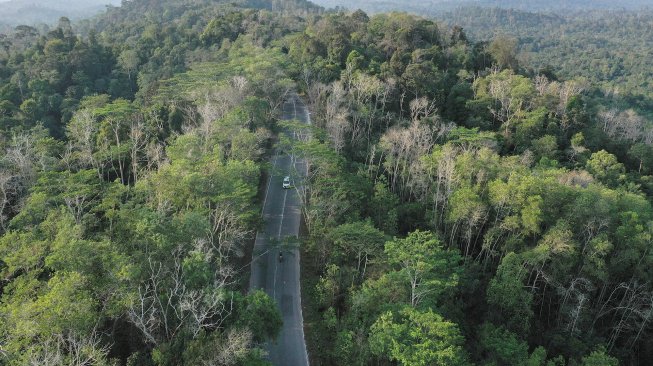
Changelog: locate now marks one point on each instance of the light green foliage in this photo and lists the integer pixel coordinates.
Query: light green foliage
(501, 347)
(415, 338)
(605, 167)
(63, 305)
(428, 267)
(21, 252)
(260, 315)
(546, 146)
(599, 358)
(517, 202)
(504, 51)
(376, 296)
(360, 241)
(509, 98)
(130, 165)
(465, 203)
(328, 287)
(506, 293)
(530, 127)
(538, 358)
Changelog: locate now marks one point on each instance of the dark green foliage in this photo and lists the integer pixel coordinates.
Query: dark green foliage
(518, 202)
(124, 219)
(534, 190)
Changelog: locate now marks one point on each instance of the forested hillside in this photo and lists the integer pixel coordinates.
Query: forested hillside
(609, 43)
(466, 213)
(16, 12)
(131, 160)
(462, 206)
(610, 49)
(434, 7)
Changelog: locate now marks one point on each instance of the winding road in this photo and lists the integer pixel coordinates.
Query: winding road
(279, 276)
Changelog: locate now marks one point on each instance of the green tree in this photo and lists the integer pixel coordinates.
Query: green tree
(359, 240)
(504, 51)
(546, 147)
(599, 357)
(606, 168)
(502, 347)
(643, 154)
(260, 314)
(429, 268)
(415, 338)
(510, 303)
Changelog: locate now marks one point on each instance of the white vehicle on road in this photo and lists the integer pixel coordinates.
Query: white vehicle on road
(286, 182)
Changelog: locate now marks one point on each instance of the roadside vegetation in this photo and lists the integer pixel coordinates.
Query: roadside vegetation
(459, 209)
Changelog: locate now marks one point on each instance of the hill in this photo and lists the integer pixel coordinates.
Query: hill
(610, 49)
(432, 7)
(30, 12)
(461, 206)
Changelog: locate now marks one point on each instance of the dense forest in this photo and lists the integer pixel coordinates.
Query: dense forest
(515, 204)
(609, 49)
(47, 12)
(435, 7)
(462, 205)
(131, 160)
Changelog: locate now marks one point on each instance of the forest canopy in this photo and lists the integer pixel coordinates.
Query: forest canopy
(463, 205)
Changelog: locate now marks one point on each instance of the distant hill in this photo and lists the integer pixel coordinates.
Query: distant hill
(431, 7)
(15, 12)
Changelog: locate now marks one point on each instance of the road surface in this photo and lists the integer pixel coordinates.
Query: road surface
(279, 277)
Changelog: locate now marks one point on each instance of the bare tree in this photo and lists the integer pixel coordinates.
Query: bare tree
(49, 354)
(69, 349)
(8, 192)
(154, 155)
(566, 92)
(336, 115)
(421, 108)
(627, 125)
(139, 137)
(509, 105)
(234, 347)
(542, 85)
(276, 89)
(164, 304)
(609, 120)
(575, 299)
(81, 133)
(207, 310)
(337, 127)
(228, 233)
(213, 104)
(443, 178)
(155, 311)
(318, 94)
(22, 156)
(403, 148)
(630, 307)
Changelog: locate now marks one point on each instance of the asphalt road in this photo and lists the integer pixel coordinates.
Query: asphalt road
(279, 277)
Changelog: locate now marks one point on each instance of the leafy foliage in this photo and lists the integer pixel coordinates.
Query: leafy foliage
(460, 207)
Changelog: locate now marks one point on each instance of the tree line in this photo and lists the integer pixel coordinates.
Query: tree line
(132, 151)
(463, 210)
(460, 208)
